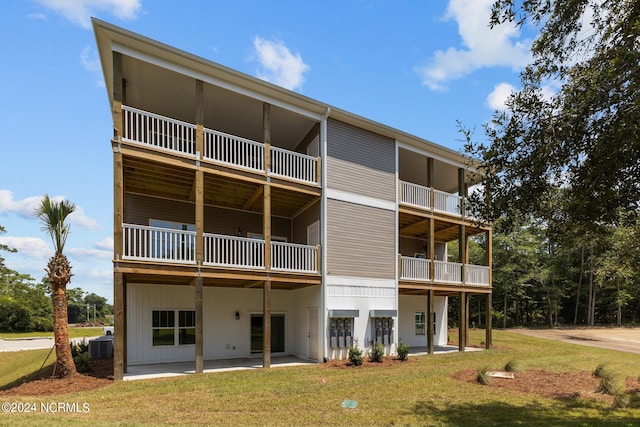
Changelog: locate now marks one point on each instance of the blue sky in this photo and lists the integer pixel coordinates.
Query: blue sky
(414, 65)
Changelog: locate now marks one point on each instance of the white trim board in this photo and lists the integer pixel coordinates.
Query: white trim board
(345, 196)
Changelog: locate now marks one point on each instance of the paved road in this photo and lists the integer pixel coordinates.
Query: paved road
(621, 339)
(31, 343)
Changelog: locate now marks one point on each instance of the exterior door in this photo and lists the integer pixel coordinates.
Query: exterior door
(313, 334)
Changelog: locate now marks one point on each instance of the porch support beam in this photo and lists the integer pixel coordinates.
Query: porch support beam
(266, 294)
(254, 197)
(488, 323)
(430, 331)
(462, 321)
(432, 250)
(120, 326)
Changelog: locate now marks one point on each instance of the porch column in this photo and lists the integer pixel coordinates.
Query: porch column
(489, 317)
(467, 304)
(462, 322)
(488, 324)
(462, 239)
(198, 195)
(430, 321)
(432, 249)
(266, 194)
(430, 181)
(119, 364)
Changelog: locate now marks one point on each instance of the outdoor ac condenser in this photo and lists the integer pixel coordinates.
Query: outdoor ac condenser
(101, 348)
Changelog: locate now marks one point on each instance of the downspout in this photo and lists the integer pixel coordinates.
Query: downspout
(323, 230)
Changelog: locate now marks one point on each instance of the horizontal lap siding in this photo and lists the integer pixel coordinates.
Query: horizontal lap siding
(360, 241)
(360, 162)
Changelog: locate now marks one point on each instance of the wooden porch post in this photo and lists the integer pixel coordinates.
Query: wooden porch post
(119, 309)
(462, 322)
(489, 316)
(266, 298)
(430, 321)
(432, 249)
(199, 201)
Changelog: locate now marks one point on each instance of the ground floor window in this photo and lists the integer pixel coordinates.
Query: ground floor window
(277, 333)
(420, 323)
(165, 329)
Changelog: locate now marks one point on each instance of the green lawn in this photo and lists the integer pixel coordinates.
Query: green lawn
(73, 333)
(419, 392)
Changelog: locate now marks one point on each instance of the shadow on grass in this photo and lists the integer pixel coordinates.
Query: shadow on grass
(500, 413)
(45, 372)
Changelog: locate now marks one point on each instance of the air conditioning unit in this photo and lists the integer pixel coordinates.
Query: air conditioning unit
(101, 348)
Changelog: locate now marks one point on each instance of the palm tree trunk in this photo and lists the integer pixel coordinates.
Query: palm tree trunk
(59, 272)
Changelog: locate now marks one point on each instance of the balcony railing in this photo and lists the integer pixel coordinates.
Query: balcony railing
(144, 243)
(231, 251)
(160, 132)
(476, 274)
(417, 269)
(163, 133)
(294, 257)
(420, 196)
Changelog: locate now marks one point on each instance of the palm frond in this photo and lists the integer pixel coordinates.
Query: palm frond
(53, 216)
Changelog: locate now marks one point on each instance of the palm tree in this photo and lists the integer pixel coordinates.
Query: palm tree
(53, 216)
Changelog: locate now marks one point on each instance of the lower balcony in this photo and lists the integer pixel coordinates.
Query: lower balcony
(418, 269)
(145, 243)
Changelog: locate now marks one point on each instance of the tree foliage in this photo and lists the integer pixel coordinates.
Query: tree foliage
(584, 138)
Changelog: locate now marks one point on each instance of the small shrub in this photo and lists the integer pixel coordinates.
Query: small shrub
(601, 371)
(607, 385)
(483, 377)
(80, 354)
(403, 351)
(376, 353)
(512, 366)
(620, 400)
(355, 355)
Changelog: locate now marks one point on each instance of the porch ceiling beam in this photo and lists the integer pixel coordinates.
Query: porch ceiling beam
(415, 224)
(254, 197)
(305, 207)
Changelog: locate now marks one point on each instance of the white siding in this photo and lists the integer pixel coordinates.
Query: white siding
(408, 306)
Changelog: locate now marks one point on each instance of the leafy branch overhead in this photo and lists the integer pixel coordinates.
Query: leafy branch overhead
(571, 136)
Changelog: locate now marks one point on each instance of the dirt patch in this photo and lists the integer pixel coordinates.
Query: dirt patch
(100, 375)
(563, 385)
(611, 338)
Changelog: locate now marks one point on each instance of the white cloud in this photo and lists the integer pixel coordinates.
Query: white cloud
(90, 60)
(39, 16)
(89, 253)
(25, 208)
(278, 64)
(481, 46)
(498, 97)
(80, 11)
(105, 244)
(31, 247)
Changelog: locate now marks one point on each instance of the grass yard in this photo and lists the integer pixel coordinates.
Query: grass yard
(73, 333)
(418, 392)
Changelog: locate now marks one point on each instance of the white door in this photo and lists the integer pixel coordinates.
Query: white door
(313, 334)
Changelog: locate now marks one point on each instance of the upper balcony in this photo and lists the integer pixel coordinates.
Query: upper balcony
(162, 245)
(178, 137)
(430, 199)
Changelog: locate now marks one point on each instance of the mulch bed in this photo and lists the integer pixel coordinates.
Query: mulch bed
(100, 375)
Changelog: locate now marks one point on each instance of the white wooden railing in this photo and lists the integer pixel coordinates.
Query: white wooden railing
(293, 165)
(160, 132)
(414, 268)
(158, 244)
(417, 269)
(142, 127)
(446, 202)
(294, 257)
(415, 195)
(447, 272)
(231, 251)
(420, 196)
(232, 150)
(476, 274)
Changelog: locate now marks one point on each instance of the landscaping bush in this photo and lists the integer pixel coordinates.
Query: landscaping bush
(403, 351)
(355, 355)
(81, 356)
(376, 353)
(512, 366)
(483, 377)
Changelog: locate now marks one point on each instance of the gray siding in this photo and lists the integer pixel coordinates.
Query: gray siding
(360, 162)
(360, 241)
